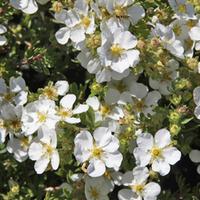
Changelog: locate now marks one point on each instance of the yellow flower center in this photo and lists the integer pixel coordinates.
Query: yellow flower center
(24, 142)
(8, 96)
(121, 86)
(182, 8)
(104, 12)
(105, 110)
(139, 105)
(57, 7)
(188, 43)
(14, 125)
(97, 152)
(191, 23)
(108, 175)
(138, 188)
(50, 92)
(63, 112)
(116, 50)
(120, 11)
(42, 117)
(49, 149)
(94, 193)
(94, 41)
(85, 21)
(177, 30)
(156, 152)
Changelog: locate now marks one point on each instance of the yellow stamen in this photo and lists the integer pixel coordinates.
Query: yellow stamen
(104, 12)
(139, 105)
(116, 50)
(50, 92)
(8, 96)
(63, 112)
(94, 193)
(182, 8)
(86, 21)
(94, 41)
(105, 110)
(97, 152)
(41, 117)
(49, 149)
(138, 188)
(177, 30)
(156, 152)
(24, 142)
(121, 86)
(120, 11)
(15, 125)
(191, 23)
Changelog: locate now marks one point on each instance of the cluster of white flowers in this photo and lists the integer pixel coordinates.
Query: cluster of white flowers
(29, 128)
(100, 30)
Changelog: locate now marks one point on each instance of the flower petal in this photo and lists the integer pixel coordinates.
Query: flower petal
(195, 156)
(55, 160)
(68, 101)
(172, 155)
(62, 35)
(80, 109)
(127, 194)
(161, 167)
(41, 164)
(152, 189)
(96, 168)
(35, 151)
(162, 138)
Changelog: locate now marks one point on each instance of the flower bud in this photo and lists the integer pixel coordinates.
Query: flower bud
(175, 99)
(174, 116)
(57, 6)
(174, 129)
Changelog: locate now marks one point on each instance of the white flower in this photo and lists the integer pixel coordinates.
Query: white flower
(53, 91)
(98, 151)
(195, 157)
(196, 97)
(37, 114)
(123, 12)
(144, 101)
(97, 188)
(169, 41)
(164, 85)
(3, 39)
(183, 9)
(27, 6)
(19, 147)
(104, 111)
(140, 188)
(15, 93)
(43, 150)
(120, 91)
(10, 121)
(66, 111)
(157, 151)
(181, 28)
(117, 50)
(79, 21)
(94, 66)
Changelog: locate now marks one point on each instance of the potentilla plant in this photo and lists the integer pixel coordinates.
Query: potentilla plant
(99, 99)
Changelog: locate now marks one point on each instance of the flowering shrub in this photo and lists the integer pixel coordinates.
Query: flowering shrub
(100, 99)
